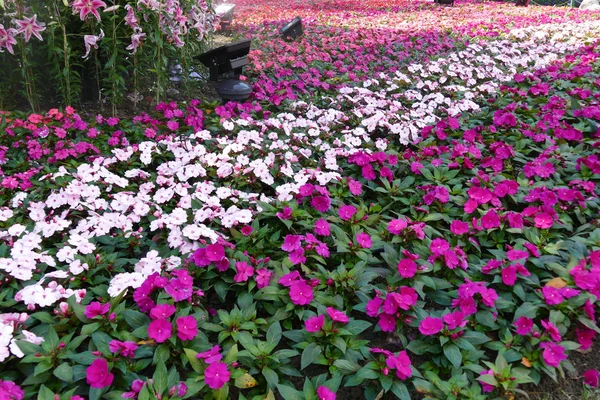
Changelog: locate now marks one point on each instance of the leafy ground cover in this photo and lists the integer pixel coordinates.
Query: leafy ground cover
(407, 207)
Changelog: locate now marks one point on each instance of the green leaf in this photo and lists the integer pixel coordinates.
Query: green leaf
(45, 394)
(274, 334)
(161, 378)
(64, 372)
(289, 393)
(452, 353)
(194, 362)
(357, 326)
(88, 329)
(346, 366)
(400, 390)
(161, 354)
(310, 354)
(418, 347)
(271, 377)
(135, 319)
(476, 338)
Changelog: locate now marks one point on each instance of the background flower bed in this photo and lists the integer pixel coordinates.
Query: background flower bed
(307, 237)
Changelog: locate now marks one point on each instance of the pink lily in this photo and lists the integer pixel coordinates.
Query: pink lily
(136, 40)
(7, 39)
(91, 41)
(30, 26)
(85, 7)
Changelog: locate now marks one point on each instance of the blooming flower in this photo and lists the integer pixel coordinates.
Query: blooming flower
(91, 41)
(162, 311)
(322, 227)
(301, 293)
(216, 375)
(314, 324)
(524, 325)
(127, 348)
(244, 271)
(407, 268)
(97, 374)
(337, 316)
(401, 363)
(7, 39)
(324, 393)
(553, 353)
(186, 328)
(396, 226)
(85, 7)
(212, 355)
(364, 240)
(346, 212)
(159, 330)
(591, 378)
(95, 308)
(430, 326)
(29, 26)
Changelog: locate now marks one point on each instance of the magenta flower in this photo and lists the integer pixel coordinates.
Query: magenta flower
(509, 275)
(216, 375)
(91, 41)
(552, 295)
(95, 308)
(337, 316)
(585, 337)
(364, 240)
(524, 325)
(7, 38)
(29, 26)
(553, 354)
(396, 226)
(314, 324)
(387, 322)
(407, 268)
(322, 228)
(162, 311)
(215, 252)
(301, 293)
(486, 387)
(325, 393)
(285, 214)
(430, 326)
(10, 390)
(127, 349)
(85, 7)
(98, 376)
(373, 306)
(459, 227)
(288, 279)
(297, 256)
(355, 187)
(187, 328)
(246, 230)
(159, 330)
(292, 242)
(455, 319)
(490, 220)
(552, 330)
(320, 203)
(263, 278)
(244, 271)
(439, 246)
(347, 212)
(401, 363)
(543, 220)
(212, 355)
(591, 378)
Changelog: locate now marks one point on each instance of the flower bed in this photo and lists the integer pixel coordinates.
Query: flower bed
(432, 229)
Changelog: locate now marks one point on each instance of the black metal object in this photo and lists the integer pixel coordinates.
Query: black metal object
(445, 2)
(293, 29)
(225, 59)
(233, 90)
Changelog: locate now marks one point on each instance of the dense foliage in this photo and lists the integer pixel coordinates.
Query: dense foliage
(94, 50)
(420, 218)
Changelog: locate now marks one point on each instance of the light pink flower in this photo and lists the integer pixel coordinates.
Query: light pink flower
(30, 26)
(85, 7)
(91, 41)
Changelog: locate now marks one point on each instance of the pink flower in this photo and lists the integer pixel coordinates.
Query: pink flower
(552, 330)
(246, 230)
(159, 330)
(85, 7)
(364, 240)
(288, 279)
(553, 354)
(29, 26)
(325, 393)
(355, 187)
(373, 306)
(322, 228)
(11, 391)
(320, 203)
(591, 378)
(486, 387)
(162, 311)
(407, 268)
(297, 256)
(314, 324)
(301, 293)
(263, 277)
(244, 271)
(387, 322)
(212, 355)
(430, 326)
(91, 41)
(543, 220)
(214, 252)
(459, 227)
(490, 220)
(187, 328)
(337, 316)
(585, 337)
(216, 375)
(396, 226)
(127, 349)
(98, 376)
(455, 320)
(7, 38)
(95, 308)
(524, 325)
(438, 247)
(292, 242)
(401, 363)
(347, 212)
(479, 194)
(509, 275)
(552, 295)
